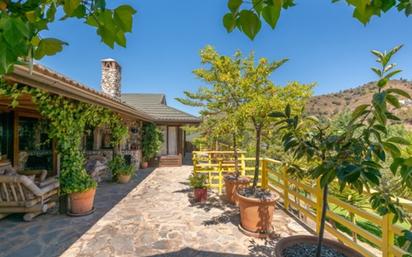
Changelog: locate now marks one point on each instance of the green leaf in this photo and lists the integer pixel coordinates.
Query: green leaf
(399, 140)
(249, 23)
(123, 16)
(391, 74)
(393, 101)
(287, 110)
(397, 162)
(382, 82)
(258, 5)
(377, 71)
(48, 46)
(229, 22)
(234, 5)
(31, 16)
(51, 12)
(392, 148)
(271, 13)
(92, 21)
(70, 6)
(277, 115)
(398, 92)
(363, 14)
(359, 111)
(349, 173)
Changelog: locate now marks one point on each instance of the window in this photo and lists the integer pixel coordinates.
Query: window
(6, 136)
(88, 139)
(35, 148)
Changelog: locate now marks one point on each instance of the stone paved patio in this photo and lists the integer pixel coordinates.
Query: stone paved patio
(51, 234)
(158, 218)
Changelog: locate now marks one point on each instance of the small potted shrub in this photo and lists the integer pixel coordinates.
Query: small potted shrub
(152, 139)
(121, 172)
(353, 157)
(198, 183)
(125, 174)
(80, 188)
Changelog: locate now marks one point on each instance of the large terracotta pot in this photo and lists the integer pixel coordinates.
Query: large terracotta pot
(123, 179)
(256, 215)
(231, 186)
(145, 165)
(82, 202)
(293, 240)
(200, 194)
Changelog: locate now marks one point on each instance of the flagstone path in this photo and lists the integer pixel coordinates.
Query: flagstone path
(158, 218)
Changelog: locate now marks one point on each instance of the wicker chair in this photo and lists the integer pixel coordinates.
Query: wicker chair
(20, 194)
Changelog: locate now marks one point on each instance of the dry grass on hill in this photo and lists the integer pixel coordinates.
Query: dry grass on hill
(331, 104)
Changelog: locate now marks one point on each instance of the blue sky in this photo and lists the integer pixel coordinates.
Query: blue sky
(324, 43)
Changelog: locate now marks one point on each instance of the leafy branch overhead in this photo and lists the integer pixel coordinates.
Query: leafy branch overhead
(247, 15)
(22, 22)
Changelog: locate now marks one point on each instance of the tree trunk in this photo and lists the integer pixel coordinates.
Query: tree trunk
(257, 158)
(322, 221)
(237, 173)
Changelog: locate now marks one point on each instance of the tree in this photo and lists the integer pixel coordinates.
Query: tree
(247, 16)
(242, 91)
(354, 155)
(221, 101)
(22, 22)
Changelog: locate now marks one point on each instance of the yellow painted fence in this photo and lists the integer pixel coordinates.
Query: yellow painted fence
(304, 201)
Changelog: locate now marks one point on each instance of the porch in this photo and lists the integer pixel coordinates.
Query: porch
(152, 216)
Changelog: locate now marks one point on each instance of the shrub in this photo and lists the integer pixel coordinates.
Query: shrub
(151, 141)
(197, 181)
(119, 167)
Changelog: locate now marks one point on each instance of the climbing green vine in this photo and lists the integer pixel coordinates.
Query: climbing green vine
(68, 119)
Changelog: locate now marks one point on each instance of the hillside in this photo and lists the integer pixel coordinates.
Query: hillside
(330, 104)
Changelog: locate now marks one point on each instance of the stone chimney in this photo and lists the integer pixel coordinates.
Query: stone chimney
(111, 78)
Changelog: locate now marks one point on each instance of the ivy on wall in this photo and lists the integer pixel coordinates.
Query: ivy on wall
(68, 119)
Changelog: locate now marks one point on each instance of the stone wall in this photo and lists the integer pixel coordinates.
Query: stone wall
(103, 156)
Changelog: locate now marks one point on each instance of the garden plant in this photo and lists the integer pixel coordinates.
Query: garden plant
(354, 157)
(152, 140)
(197, 181)
(121, 171)
(68, 120)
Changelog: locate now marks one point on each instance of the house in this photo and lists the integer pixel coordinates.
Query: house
(23, 137)
(168, 119)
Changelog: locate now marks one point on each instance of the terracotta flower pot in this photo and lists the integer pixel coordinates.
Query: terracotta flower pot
(200, 194)
(231, 186)
(82, 202)
(287, 242)
(145, 165)
(256, 215)
(123, 179)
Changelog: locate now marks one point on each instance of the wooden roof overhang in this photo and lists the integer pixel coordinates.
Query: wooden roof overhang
(54, 83)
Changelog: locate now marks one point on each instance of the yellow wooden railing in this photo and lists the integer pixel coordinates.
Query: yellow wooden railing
(304, 201)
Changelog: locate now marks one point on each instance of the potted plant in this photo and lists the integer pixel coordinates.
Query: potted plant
(152, 140)
(261, 96)
(121, 172)
(80, 188)
(351, 157)
(198, 183)
(125, 174)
